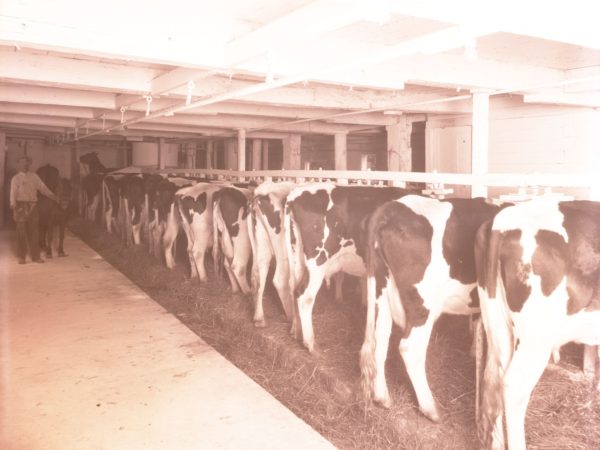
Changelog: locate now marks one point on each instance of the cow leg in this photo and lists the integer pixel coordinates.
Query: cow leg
(524, 371)
(108, 219)
(414, 351)
(168, 240)
(136, 230)
(198, 252)
(383, 330)
(281, 281)
(306, 303)
(338, 282)
(262, 256)
(241, 257)
(235, 288)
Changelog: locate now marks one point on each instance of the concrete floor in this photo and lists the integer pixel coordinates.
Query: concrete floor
(88, 361)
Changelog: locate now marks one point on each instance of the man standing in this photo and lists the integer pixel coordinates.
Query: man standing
(24, 188)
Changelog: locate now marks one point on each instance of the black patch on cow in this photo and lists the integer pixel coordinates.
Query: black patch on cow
(459, 235)
(582, 224)
(548, 260)
(49, 176)
(400, 245)
(348, 243)
(474, 294)
(267, 209)
(112, 199)
(231, 201)
(321, 258)
(513, 270)
(308, 212)
(187, 203)
(133, 189)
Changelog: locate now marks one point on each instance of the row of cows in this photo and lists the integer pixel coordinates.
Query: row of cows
(531, 269)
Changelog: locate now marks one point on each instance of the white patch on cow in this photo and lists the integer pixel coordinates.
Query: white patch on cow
(311, 188)
(532, 215)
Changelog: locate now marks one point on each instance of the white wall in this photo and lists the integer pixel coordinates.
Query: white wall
(523, 139)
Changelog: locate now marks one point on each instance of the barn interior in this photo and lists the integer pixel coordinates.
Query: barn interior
(458, 99)
(340, 85)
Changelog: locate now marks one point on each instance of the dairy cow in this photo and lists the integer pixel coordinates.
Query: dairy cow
(420, 263)
(231, 236)
(538, 271)
(195, 206)
(132, 192)
(267, 237)
(325, 234)
(169, 220)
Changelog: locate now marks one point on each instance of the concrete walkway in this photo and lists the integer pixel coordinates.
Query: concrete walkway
(88, 361)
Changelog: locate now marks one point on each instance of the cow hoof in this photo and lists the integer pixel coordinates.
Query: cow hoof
(385, 402)
(62, 254)
(262, 323)
(48, 255)
(431, 415)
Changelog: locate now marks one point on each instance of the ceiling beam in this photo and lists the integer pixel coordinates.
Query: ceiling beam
(44, 70)
(20, 93)
(585, 99)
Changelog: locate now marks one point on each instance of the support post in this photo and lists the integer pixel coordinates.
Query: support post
(190, 154)
(256, 150)
(398, 146)
(209, 154)
(230, 156)
(341, 153)
(162, 153)
(265, 154)
(480, 140)
(292, 152)
(2, 176)
(241, 149)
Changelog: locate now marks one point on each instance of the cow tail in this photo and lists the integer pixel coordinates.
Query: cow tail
(217, 254)
(367, 351)
(252, 223)
(498, 338)
(293, 249)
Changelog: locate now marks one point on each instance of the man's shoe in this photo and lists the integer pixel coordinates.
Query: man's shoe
(21, 260)
(39, 260)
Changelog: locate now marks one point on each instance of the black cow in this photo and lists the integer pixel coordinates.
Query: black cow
(53, 214)
(325, 234)
(420, 264)
(132, 192)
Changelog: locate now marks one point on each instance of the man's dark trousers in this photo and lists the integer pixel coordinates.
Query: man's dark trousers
(28, 231)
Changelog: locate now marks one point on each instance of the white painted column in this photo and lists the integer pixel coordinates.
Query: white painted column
(480, 140)
(209, 155)
(256, 150)
(292, 152)
(241, 149)
(265, 154)
(3, 182)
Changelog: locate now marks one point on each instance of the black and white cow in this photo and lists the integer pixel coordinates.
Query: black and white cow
(149, 215)
(420, 264)
(325, 234)
(267, 237)
(169, 220)
(538, 270)
(195, 206)
(112, 201)
(231, 237)
(132, 192)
